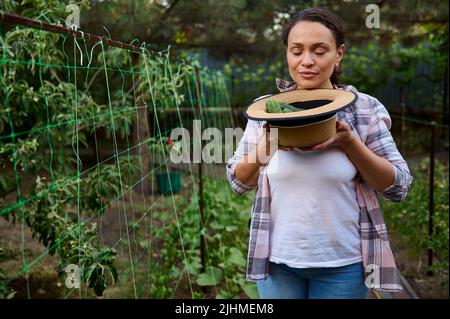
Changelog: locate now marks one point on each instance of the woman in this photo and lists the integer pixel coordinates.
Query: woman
(317, 230)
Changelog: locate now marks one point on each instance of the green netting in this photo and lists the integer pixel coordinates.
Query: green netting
(83, 133)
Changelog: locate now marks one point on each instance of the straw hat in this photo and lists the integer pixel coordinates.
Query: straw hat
(315, 123)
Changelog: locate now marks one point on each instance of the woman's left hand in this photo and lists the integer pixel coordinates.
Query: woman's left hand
(342, 138)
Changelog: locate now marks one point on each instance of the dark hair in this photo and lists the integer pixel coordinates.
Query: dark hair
(328, 19)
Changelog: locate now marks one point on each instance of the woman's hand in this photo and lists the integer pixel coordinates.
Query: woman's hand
(249, 166)
(343, 138)
(376, 171)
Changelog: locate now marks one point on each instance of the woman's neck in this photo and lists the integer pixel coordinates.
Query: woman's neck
(324, 85)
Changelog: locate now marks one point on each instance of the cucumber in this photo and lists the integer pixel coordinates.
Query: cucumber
(289, 108)
(273, 106)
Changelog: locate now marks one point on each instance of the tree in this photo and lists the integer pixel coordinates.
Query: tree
(250, 29)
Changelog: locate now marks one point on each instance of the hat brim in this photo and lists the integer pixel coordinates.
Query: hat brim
(317, 105)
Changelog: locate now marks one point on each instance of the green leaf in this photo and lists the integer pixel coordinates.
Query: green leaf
(236, 257)
(250, 289)
(231, 228)
(114, 274)
(216, 225)
(11, 295)
(99, 286)
(211, 277)
(223, 294)
(194, 266)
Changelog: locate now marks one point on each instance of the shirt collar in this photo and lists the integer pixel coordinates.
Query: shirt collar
(284, 85)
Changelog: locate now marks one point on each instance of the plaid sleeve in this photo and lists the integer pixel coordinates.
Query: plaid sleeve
(253, 132)
(380, 141)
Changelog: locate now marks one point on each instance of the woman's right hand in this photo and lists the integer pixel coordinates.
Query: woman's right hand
(248, 168)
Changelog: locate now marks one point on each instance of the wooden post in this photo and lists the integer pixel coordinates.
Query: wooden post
(200, 174)
(444, 104)
(140, 133)
(431, 193)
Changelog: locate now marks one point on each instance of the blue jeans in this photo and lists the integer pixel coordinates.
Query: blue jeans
(346, 282)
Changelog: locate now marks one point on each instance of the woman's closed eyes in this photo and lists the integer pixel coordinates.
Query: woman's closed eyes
(318, 52)
(319, 48)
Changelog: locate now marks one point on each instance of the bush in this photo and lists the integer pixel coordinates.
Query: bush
(409, 219)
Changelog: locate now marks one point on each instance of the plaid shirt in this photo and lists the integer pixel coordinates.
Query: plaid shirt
(370, 121)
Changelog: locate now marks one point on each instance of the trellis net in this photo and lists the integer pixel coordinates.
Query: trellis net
(84, 133)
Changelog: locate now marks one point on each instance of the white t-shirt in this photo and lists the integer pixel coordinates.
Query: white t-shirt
(314, 211)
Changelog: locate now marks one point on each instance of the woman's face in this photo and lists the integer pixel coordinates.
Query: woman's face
(312, 55)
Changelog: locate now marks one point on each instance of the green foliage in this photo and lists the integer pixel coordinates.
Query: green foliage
(249, 81)
(53, 221)
(409, 219)
(226, 232)
(161, 148)
(43, 10)
(211, 277)
(48, 116)
(162, 80)
(252, 29)
(5, 291)
(374, 66)
(5, 254)
(368, 66)
(273, 106)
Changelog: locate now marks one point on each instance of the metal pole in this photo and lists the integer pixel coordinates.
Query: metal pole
(431, 194)
(200, 175)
